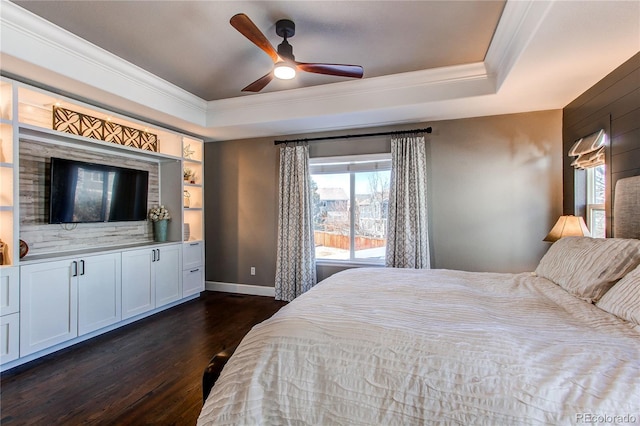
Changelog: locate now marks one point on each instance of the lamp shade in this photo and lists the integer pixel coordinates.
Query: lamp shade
(568, 226)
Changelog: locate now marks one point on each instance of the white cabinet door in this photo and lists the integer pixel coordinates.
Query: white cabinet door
(150, 278)
(167, 272)
(9, 337)
(138, 293)
(48, 305)
(99, 292)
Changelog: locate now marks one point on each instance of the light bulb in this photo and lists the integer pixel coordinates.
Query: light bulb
(284, 71)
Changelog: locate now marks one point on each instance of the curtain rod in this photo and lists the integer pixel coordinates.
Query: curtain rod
(326, 138)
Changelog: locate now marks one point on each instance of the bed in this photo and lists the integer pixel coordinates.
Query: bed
(384, 346)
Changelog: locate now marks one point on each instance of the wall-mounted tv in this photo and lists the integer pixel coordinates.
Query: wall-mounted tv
(84, 192)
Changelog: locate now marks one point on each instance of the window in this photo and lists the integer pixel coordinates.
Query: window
(596, 216)
(350, 198)
(589, 153)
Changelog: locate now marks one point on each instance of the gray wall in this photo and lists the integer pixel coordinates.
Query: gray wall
(495, 191)
(612, 104)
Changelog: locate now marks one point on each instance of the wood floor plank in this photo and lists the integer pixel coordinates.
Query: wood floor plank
(148, 372)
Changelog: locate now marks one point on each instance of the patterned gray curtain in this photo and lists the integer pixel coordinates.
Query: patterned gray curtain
(407, 235)
(296, 260)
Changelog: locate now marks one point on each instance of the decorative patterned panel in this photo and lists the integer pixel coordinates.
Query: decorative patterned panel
(69, 121)
(91, 127)
(112, 132)
(65, 120)
(148, 141)
(131, 137)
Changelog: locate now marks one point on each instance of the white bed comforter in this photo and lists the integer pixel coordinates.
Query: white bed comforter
(404, 347)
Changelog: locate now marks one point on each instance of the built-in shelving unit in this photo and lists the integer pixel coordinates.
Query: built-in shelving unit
(176, 153)
(8, 175)
(28, 139)
(192, 189)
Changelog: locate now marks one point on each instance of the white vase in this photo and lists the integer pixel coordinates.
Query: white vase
(187, 232)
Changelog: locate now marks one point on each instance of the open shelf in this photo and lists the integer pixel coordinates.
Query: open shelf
(36, 134)
(35, 109)
(6, 101)
(6, 143)
(193, 213)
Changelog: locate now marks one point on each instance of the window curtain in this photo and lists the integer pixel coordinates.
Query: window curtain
(407, 235)
(295, 262)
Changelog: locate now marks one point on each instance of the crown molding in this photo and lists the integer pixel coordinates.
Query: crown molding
(366, 86)
(518, 24)
(344, 97)
(30, 41)
(36, 41)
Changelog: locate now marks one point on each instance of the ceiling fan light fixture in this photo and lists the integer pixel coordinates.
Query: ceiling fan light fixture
(285, 66)
(284, 70)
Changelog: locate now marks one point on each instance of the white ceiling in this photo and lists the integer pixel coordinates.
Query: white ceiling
(181, 63)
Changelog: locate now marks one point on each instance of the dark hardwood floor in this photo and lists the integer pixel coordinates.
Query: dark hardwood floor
(148, 372)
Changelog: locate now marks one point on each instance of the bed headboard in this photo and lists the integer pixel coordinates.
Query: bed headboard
(626, 208)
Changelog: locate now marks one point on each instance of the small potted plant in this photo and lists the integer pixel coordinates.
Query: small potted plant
(189, 175)
(160, 217)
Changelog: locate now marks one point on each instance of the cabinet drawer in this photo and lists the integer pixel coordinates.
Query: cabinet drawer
(9, 290)
(192, 254)
(192, 281)
(9, 337)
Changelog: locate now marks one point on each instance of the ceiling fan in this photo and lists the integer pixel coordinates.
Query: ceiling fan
(285, 65)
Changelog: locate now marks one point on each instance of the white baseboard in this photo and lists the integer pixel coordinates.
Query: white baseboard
(255, 290)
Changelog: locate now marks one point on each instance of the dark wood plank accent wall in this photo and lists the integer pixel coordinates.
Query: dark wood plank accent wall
(612, 104)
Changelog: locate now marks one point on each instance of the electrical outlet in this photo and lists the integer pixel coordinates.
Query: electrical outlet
(253, 270)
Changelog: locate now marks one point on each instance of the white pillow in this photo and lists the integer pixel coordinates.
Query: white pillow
(623, 300)
(588, 267)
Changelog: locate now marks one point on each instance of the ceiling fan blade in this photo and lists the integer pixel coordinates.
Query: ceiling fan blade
(260, 83)
(354, 71)
(247, 28)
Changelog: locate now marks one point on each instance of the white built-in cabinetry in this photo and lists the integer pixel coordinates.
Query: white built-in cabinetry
(64, 299)
(99, 292)
(8, 173)
(193, 172)
(150, 278)
(193, 268)
(55, 295)
(193, 249)
(9, 314)
(166, 268)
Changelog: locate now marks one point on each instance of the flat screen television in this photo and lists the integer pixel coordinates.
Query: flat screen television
(86, 192)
